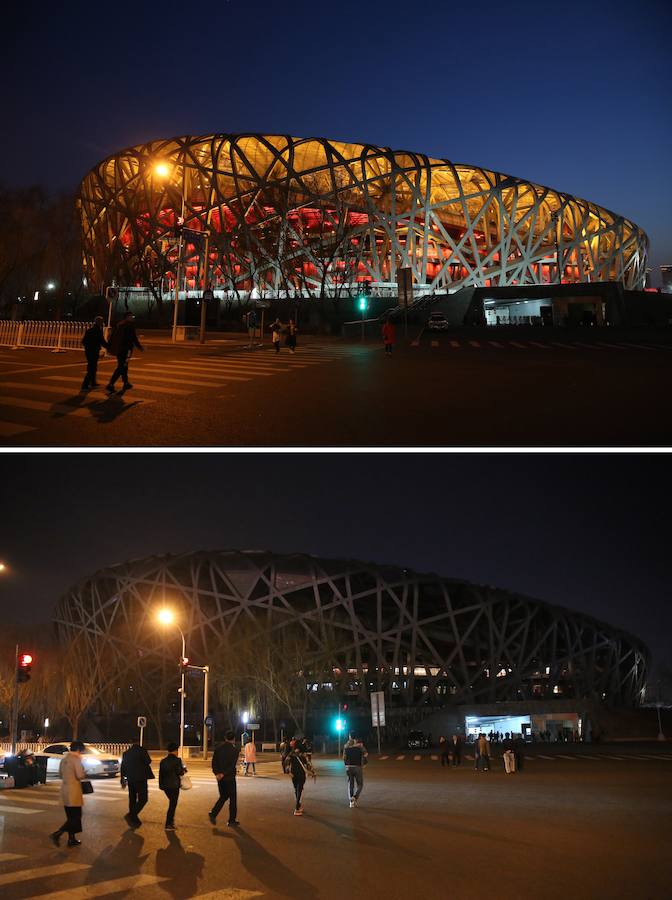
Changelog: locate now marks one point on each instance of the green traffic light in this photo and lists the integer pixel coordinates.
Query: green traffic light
(362, 302)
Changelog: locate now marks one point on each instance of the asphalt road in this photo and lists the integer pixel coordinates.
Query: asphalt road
(438, 390)
(587, 825)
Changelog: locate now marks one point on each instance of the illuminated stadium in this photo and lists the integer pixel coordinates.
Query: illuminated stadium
(342, 628)
(288, 216)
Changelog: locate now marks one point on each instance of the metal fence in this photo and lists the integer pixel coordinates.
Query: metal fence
(38, 746)
(54, 336)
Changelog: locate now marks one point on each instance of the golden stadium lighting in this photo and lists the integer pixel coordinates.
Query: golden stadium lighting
(162, 169)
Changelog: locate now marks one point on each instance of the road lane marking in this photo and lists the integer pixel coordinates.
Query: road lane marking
(435, 758)
(541, 756)
(384, 757)
(416, 758)
(19, 809)
(454, 343)
(85, 410)
(229, 894)
(564, 346)
(31, 799)
(474, 344)
(9, 429)
(8, 857)
(542, 346)
(589, 346)
(496, 344)
(136, 385)
(154, 370)
(516, 344)
(562, 756)
(401, 757)
(41, 872)
(103, 888)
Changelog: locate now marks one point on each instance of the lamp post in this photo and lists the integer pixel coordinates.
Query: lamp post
(163, 170)
(167, 617)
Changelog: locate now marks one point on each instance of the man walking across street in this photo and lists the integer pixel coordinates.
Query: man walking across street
(93, 340)
(224, 763)
(355, 757)
(122, 343)
(72, 774)
(171, 771)
(456, 749)
(136, 770)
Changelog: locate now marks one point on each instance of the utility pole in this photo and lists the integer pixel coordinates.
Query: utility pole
(15, 702)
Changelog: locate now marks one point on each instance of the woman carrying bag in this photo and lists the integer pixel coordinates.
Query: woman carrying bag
(73, 786)
(171, 771)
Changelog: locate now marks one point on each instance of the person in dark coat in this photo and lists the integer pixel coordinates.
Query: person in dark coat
(389, 335)
(93, 340)
(296, 763)
(224, 764)
(170, 772)
(122, 343)
(456, 749)
(136, 769)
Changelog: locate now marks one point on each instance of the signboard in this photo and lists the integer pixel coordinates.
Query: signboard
(142, 721)
(405, 286)
(251, 727)
(209, 721)
(263, 304)
(378, 708)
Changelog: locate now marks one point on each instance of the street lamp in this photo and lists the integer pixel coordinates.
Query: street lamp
(163, 170)
(166, 617)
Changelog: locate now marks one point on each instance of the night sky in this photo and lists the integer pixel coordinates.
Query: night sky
(590, 532)
(575, 95)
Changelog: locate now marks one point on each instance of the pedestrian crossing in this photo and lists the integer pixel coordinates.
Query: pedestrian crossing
(532, 757)
(546, 346)
(30, 400)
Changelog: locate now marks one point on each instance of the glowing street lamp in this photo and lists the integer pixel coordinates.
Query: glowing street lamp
(163, 170)
(166, 617)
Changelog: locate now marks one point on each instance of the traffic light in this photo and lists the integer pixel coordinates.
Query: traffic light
(340, 724)
(362, 302)
(25, 664)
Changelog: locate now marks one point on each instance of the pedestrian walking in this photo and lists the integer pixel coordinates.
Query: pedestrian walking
(444, 750)
(482, 753)
(389, 335)
(456, 749)
(72, 775)
(224, 763)
(291, 335)
(251, 321)
(519, 752)
(136, 770)
(250, 757)
(93, 340)
(355, 756)
(171, 771)
(122, 343)
(276, 333)
(508, 754)
(296, 763)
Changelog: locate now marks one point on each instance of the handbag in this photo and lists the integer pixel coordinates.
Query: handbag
(185, 783)
(87, 787)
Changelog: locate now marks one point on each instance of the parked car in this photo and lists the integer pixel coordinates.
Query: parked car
(418, 740)
(95, 761)
(438, 322)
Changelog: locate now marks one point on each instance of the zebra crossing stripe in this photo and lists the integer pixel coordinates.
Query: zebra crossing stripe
(229, 894)
(564, 346)
(103, 888)
(496, 344)
(137, 385)
(10, 857)
(226, 371)
(31, 799)
(542, 346)
(20, 810)
(474, 343)
(63, 409)
(516, 344)
(562, 756)
(613, 346)
(454, 343)
(541, 756)
(435, 758)
(9, 429)
(401, 757)
(384, 757)
(416, 758)
(41, 872)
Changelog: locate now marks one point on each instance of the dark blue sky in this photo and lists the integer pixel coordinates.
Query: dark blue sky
(587, 531)
(574, 95)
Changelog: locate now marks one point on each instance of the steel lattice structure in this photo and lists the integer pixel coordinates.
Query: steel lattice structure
(423, 639)
(286, 213)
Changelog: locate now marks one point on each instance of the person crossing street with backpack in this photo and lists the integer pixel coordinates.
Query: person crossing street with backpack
(93, 340)
(122, 343)
(355, 757)
(296, 763)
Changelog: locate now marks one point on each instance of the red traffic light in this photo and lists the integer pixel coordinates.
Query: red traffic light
(25, 659)
(25, 663)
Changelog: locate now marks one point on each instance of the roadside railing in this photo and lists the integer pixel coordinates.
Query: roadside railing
(39, 746)
(54, 336)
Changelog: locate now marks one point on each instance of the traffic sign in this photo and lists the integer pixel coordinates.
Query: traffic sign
(251, 727)
(142, 721)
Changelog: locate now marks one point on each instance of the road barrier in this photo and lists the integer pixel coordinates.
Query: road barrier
(56, 336)
(39, 746)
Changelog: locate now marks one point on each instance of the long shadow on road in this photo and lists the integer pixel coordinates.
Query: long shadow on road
(268, 868)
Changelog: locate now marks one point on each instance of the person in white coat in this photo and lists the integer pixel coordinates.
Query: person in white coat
(250, 757)
(72, 773)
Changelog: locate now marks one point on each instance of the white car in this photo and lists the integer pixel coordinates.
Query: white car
(95, 762)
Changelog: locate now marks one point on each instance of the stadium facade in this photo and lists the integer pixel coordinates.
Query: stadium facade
(285, 216)
(350, 627)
